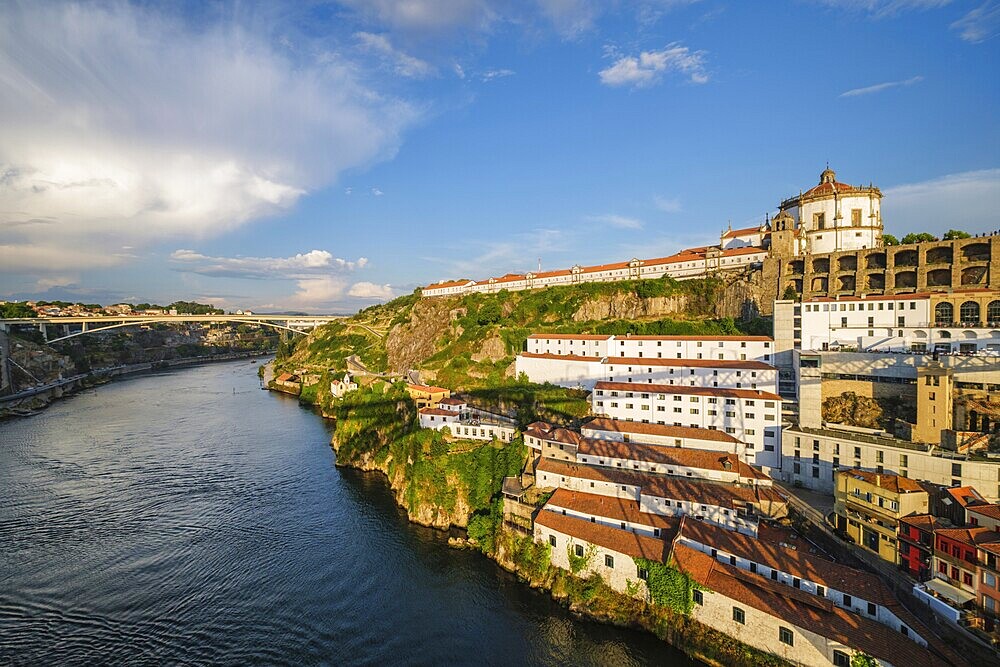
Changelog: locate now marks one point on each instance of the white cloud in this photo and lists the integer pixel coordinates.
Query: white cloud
(570, 18)
(967, 201)
(879, 87)
(980, 23)
(319, 291)
(302, 265)
(667, 204)
(402, 63)
(124, 126)
(649, 67)
(619, 221)
(491, 74)
(365, 290)
(376, 192)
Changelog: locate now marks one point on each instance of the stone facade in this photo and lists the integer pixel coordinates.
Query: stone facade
(918, 267)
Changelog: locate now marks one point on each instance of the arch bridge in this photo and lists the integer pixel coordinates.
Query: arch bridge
(294, 323)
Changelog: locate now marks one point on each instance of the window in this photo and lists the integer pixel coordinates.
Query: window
(552, 540)
(609, 561)
(698, 597)
(643, 573)
(841, 659)
(739, 616)
(847, 600)
(855, 217)
(785, 636)
(872, 609)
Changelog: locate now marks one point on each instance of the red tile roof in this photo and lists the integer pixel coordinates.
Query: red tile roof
(619, 509)
(451, 401)
(437, 412)
(701, 459)
(561, 357)
(809, 612)
(972, 536)
(688, 391)
(991, 510)
(702, 338)
(562, 336)
(746, 231)
(965, 496)
(449, 283)
(927, 522)
(691, 363)
(623, 541)
(639, 428)
(796, 562)
(893, 483)
(664, 486)
(430, 389)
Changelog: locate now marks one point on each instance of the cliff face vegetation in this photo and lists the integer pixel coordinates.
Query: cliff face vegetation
(852, 410)
(469, 342)
(440, 481)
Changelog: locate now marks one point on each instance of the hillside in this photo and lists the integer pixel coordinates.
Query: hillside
(468, 343)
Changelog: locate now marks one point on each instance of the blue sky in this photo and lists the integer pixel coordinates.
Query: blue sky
(323, 156)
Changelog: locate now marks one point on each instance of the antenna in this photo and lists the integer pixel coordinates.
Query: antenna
(539, 264)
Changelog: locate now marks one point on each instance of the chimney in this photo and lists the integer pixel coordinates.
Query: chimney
(878, 480)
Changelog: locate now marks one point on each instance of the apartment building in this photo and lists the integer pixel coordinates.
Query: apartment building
(869, 506)
(811, 457)
(751, 416)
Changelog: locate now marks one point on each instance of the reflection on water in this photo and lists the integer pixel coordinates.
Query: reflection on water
(171, 519)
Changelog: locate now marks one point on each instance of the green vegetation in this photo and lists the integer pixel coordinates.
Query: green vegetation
(193, 308)
(433, 474)
(954, 234)
(889, 239)
(15, 310)
(578, 564)
(668, 586)
(859, 659)
(919, 237)
(790, 294)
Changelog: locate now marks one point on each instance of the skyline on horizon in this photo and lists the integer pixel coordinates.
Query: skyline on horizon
(327, 156)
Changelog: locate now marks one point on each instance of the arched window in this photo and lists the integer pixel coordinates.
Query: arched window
(944, 313)
(993, 311)
(969, 311)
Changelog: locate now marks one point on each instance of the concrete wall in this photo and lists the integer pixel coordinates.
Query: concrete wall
(619, 577)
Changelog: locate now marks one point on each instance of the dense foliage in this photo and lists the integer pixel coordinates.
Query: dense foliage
(15, 310)
(668, 586)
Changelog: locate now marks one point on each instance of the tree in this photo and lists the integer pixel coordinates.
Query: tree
(12, 310)
(889, 239)
(953, 234)
(790, 294)
(490, 313)
(919, 238)
(859, 659)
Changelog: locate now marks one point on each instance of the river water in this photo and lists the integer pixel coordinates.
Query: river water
(189, 517)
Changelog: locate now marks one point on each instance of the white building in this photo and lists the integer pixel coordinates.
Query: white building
(451, 415)
(602, 428)
(583, 372)
(732, 348)
(896, 323)
(751, 416)
(835, 216)
(343, 386)
(750, 237)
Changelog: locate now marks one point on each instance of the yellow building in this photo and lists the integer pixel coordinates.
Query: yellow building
(869, 505)
(935, 402)
(427, 396)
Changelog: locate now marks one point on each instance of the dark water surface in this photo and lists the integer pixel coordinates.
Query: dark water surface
(167, 519)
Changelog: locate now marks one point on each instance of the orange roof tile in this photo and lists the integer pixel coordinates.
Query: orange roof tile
(893, 483)
(691, 363)
(687, 391)
(619, 509)
(623, 541)
(620, 426)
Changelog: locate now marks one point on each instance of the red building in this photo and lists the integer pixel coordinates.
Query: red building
(955, 557)
(915, 535)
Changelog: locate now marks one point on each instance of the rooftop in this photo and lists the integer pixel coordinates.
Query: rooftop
(688, 391)
(615, 539)
(619, 509)
(893, 483)
(619, 426)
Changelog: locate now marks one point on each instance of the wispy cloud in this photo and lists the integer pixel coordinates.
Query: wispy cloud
(885, 8)
(620, 221)
(298, 266)
(667, 204)
(426, 16)
(966, 201)
(570, 18)
(402, 63)
(879, 87)
(980, 23)
(376, 192)
(649, 67)
(491, 74)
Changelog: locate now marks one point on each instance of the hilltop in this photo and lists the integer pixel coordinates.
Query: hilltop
(468, 343)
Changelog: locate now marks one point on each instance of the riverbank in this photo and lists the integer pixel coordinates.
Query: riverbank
(31, 402)
(453, 484)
